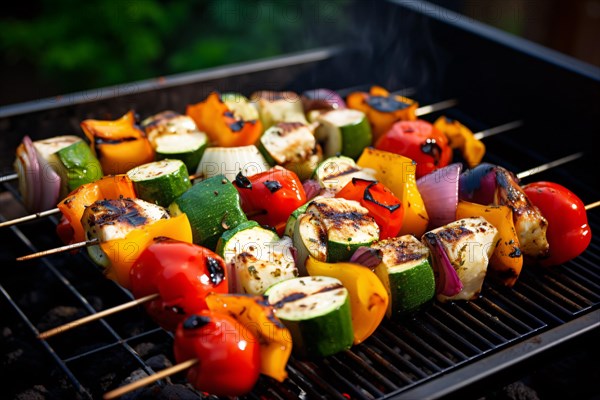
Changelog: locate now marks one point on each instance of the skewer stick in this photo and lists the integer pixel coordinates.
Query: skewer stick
(9, 177)
(113, 394)
(96, 316)
(497, 129)
(30, 217)
(59, 250)
(442, 105)
(549, 165)
(592, 205)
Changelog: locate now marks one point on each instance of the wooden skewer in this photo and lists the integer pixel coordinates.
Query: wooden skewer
(498, 129)
(548, 165)
(61, 249)
(96, 316)
(592, 205)
(113, 394)
(30, 217)
(442, 105)
(9, 177)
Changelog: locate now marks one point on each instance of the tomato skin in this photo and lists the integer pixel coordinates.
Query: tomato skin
(182, 274)
(271, 196)
(568, 233)
(388, 214)
(228, 353)
(420, 141)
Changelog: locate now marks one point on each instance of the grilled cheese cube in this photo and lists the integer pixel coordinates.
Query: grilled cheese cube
(168, 123)
(530, 224)
(468, 243)
(107, 220)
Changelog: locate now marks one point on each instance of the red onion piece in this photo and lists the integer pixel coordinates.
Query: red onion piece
(447, 281)
(49, 184)
(439, 191)
(478, 184)
(322, 99)
(367, 257)
(39, 184)
(311, 188)
(29, 182)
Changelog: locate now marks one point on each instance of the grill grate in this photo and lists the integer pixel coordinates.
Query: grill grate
(399, 356)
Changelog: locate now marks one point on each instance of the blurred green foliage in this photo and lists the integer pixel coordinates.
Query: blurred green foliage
(78, 45)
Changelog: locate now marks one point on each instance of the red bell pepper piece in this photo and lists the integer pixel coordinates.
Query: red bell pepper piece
(270, 197)
(182, 273)
(382, 204)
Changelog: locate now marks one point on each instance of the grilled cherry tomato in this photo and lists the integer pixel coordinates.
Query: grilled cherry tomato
(270, 197)
(420, 141)
(182, 274)
(382, 204)
(228, 354)
(568, 233)
(64, 230)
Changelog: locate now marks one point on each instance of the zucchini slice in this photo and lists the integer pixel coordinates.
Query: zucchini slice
(335, 172)
(316, 311)
(212, 206)
(160, 182)
(343, 131)
(331, 229)
(275, 107)
(287, 142)
(187, 148)
(406, 274)
(256, 258)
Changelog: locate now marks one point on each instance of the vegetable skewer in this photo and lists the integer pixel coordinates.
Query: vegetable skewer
(61, 249)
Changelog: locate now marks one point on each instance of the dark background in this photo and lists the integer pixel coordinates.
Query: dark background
(49, 48)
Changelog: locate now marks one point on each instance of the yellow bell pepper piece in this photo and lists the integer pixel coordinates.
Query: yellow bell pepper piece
(122, 253)
(397, 173)
(119, 145)
(368, 298)
(507, 261)
(256, 314)
(460, 137)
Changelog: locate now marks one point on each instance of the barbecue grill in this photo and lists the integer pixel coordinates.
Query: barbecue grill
(427, 53)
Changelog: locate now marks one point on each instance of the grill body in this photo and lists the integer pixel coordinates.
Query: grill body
(449, 349)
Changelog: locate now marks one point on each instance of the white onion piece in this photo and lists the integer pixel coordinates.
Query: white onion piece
(439, 191)
(229, 161)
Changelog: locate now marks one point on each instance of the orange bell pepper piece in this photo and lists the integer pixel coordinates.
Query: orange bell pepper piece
(119, 145)
(108, 187)
(256, 314)
(224, 123)
(382, 108)
(122, 253)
